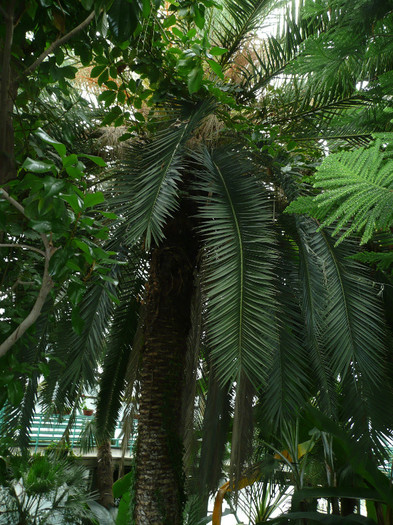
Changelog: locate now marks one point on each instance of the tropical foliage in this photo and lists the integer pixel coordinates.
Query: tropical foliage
(172, 270)
(43, 489)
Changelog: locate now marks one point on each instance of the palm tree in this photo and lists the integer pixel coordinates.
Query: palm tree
(286, 315)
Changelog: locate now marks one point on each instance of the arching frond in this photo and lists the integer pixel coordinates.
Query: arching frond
(74, 357)
(288, 386)
(352, 329)
(118, 351)
(239, 19)
(236, 223)
(148, 184)
(314, 304)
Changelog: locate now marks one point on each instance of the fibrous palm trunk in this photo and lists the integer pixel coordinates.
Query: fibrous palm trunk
(105, 474)
(159, 482)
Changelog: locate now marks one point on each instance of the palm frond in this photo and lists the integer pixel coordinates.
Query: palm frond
(314, 303)
(18, 419)
(148, 185)
(288, 386)
(118, 351)
(214, 435)
(352, 327)
(238, 277)
(239, 19)
(242, 428)
(190, 379)
(74, 358)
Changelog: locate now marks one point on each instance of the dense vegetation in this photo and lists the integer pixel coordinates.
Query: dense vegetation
(196, 221)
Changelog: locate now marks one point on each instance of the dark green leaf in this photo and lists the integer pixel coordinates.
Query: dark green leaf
(218, 51)
(97, 160)
(122, 485)
(216, 68)
(37, 166)
(97, 70)
(170, 21)
(123, 19)
(194, 80)
(91, 199)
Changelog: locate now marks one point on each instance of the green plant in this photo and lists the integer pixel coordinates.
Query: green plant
(44, 490)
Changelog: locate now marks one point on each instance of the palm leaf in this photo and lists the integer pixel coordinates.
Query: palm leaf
(352, 325)
(288, 386)
(238, 275)
(314, 304)
(118, 351)
(74, 358)
(238, 20)
(148, 185)
(215, 429)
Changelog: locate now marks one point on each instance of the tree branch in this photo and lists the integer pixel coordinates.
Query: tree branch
(46, 287)
(25, 246)
(21, 209)
(12, 201)
(57, 43)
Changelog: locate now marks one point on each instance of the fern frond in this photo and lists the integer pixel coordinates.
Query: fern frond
(357, 192)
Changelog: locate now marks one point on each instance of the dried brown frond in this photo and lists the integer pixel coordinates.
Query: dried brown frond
(209, 132)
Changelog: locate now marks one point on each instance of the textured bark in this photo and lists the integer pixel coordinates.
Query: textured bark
(105, 474)
(8, 91)
(159, 482)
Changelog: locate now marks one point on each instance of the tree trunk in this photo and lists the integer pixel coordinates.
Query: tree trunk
(159, 493)
(8, 92)
(105, 474)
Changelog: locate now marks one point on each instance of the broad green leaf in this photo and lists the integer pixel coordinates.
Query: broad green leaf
(110, 84)
(75, 292)
(146, 8)
(91, 199)
(108, 97)
(124, 513)
(74, 201)
(70, 160)
(82, 246)
(215, 51)
(74, 172)
(59, 147)
(170, 21)
(103, 77)
(40, 226)
(122, 485)
(108, 214)
(87, 4)
(123, 19)
(37, 166)
(97, 160)
(97, 70)
(199, 16)
(194, 80)
(217, 69)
